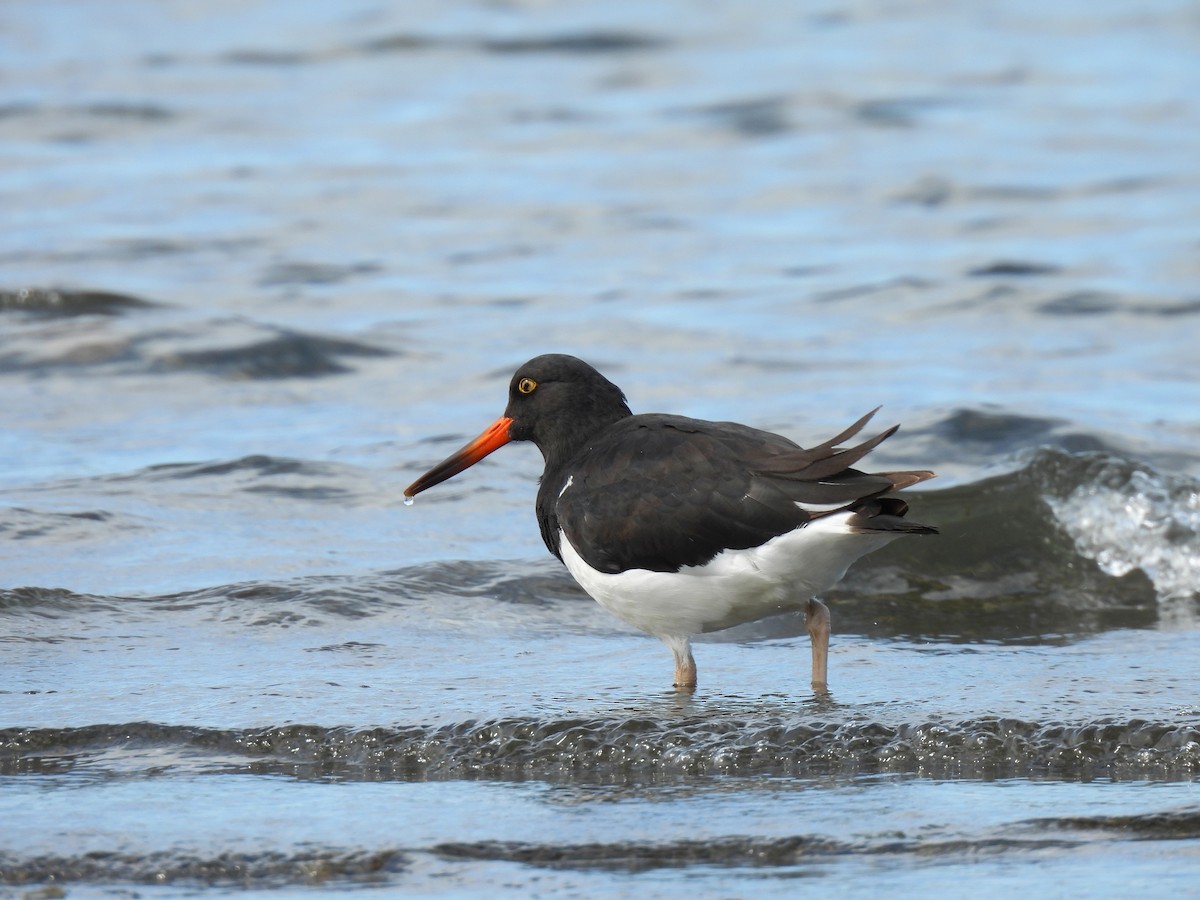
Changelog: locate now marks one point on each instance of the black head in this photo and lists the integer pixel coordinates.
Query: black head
(559, 401)
(556, 401)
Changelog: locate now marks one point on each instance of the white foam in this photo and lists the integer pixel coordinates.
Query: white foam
(1143, 520)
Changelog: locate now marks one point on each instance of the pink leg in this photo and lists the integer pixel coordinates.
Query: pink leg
(685, 666)
(816, 616)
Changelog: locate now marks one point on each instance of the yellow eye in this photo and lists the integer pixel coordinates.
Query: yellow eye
(526, 385)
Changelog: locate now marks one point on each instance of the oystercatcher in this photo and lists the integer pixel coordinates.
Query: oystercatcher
(681, 526)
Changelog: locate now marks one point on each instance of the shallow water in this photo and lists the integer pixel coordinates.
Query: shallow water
(266, 264)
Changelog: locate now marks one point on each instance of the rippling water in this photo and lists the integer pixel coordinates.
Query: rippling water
(267, 263)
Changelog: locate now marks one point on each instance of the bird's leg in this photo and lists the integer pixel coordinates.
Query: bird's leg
(816, 617)
(685, 666)
(685, 671)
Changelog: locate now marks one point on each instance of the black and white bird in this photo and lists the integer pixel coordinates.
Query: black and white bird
(682, 526)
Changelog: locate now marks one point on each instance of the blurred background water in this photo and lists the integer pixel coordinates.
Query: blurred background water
(266, 262)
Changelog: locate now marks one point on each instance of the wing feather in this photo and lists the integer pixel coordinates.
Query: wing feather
(662, 492)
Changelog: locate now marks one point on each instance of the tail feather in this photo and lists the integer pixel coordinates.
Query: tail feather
(844, 459)
(821, 480)
(901, 480)
(847, 434)
(884, 515)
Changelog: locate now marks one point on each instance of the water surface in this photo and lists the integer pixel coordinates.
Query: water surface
(267, 264)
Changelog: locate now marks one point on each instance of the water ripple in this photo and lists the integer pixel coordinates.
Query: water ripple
(631, 751)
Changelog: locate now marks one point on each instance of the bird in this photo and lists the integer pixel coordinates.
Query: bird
(682, 526)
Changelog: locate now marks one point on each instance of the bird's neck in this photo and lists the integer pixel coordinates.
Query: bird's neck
(568, 440)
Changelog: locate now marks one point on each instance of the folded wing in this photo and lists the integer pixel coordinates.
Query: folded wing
(662, 492)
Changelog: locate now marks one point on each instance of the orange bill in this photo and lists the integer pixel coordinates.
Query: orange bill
(495, 437)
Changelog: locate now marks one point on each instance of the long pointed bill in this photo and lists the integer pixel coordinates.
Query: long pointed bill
(493, 439)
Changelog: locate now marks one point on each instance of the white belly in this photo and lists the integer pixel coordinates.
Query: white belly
(737, 586)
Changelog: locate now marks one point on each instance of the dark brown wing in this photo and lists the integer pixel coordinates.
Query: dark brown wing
(661, 492)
